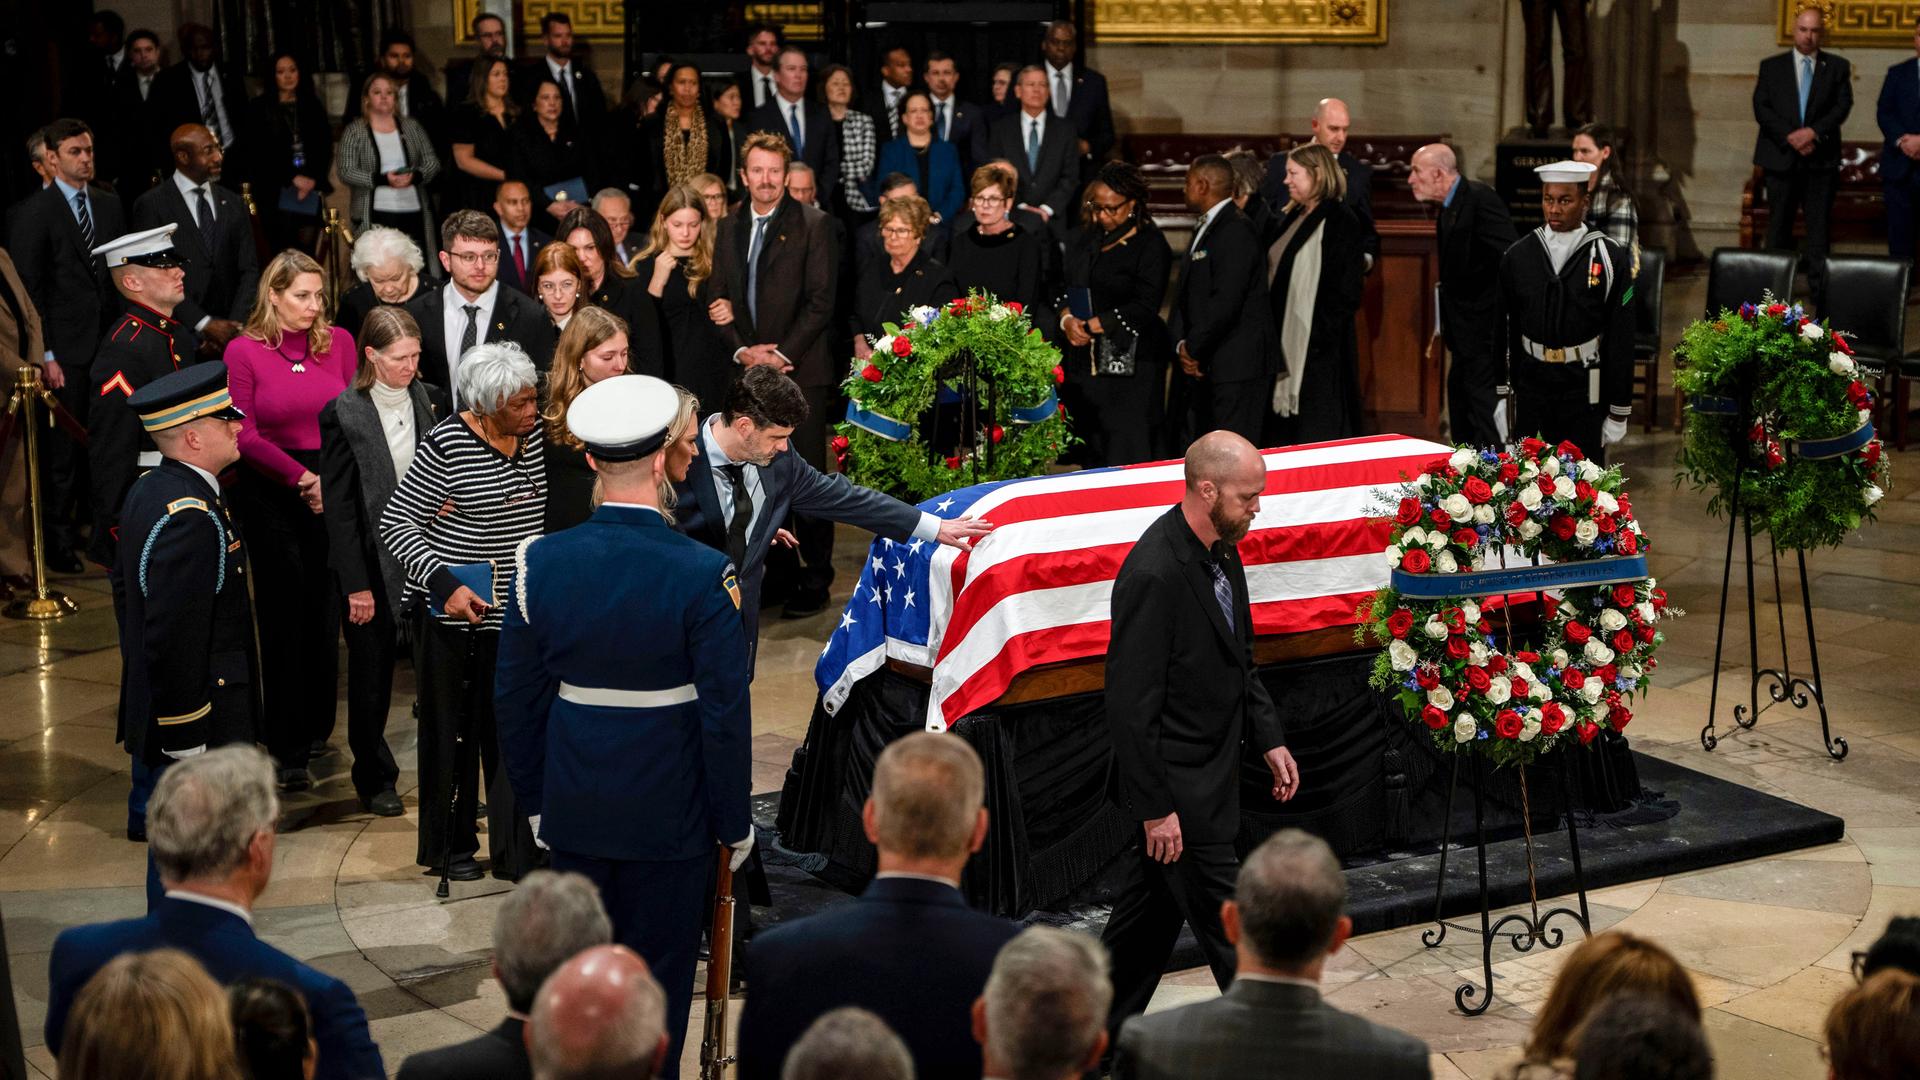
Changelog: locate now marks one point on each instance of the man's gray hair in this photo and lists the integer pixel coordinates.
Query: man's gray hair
(550, 918)
(605, 194)
(493, 372)
(798, 167)
(381, 245)
(206, 810)
(848, 1042)
(1290, 895)
(1047, 1001)
(927, 792)
(37, 146)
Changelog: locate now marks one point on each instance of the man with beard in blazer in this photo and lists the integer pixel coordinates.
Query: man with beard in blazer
(470, 255)
(814, 140)
(1184, 705)
(1800, 100)
(214, 242)
(1041, 147)
(198, 90)
(1227, 347)
(1474, 231)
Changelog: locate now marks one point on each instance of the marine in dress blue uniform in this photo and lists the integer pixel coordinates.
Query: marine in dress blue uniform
(187, 652)
(621, 695)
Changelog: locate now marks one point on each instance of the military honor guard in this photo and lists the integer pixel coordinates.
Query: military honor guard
(146, 343)
(632, 763)
(187, 651)
(1568, 291)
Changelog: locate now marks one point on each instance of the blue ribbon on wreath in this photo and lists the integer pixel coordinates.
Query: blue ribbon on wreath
(1604, 571)
(1714, 405)
(1816, 449)
(1034, 414)
(884, 426)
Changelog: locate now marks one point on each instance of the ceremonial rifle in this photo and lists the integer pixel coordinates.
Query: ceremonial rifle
(714, 1058)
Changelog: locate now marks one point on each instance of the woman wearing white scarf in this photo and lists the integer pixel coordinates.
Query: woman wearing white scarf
(1314, 274)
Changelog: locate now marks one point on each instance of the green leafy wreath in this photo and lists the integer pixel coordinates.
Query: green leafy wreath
(880, 445)
(1814, 468)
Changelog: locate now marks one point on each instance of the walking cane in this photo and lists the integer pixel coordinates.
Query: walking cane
(45, 603)
(714, 1058)
(453, 785)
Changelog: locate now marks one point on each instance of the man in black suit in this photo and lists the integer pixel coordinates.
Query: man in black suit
(1474, 231)
(1800, 100)
(199, 90)
(1041, 147)
(583, 102)
(806, 125)
(546, 921)
(214, 242)
(1228, 350)
(896, 76)
(520, 242)
(958, 122)
(1285, 920)
(1184, 702)
(763, 52)
(909, 949)
(1079, 93)
(140, 166)
(1330, 124)
(472, 307)
(55, 232)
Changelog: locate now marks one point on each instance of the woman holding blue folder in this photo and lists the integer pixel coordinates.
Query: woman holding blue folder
(550, 156)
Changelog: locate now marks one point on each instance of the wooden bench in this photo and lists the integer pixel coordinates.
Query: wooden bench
(1164, 160)
(1859, 207)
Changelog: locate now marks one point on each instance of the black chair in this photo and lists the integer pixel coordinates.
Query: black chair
(1647, 309)
(1737, 276)
(1867, 301)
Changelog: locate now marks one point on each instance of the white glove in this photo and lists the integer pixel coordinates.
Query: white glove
(533, 822)
(1500, 417)
(741, 849)
(182, 755)
(1612, 431)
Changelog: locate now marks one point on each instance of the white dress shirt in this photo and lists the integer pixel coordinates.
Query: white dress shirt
(199, 81)
(1060, 85)
(1206, 219)
(788, 114)
(944, 124)
(224, 905)
(188, 193)
(453, 320)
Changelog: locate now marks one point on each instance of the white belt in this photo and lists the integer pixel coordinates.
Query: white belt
(1586, 354)
(148, 459)
(629, 699)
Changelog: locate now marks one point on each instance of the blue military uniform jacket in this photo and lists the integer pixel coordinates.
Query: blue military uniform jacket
(624, 604)
(188, 661)
(140, 348)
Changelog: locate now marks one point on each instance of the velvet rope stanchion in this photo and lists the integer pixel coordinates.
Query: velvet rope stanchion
(45, 603)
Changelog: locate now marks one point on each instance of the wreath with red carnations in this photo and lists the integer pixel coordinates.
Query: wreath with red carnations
(1484, 521)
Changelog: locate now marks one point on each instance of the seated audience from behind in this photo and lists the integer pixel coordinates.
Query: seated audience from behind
(1286, 919)
(1043, 1015)
(909, 948)
(272, 1031)
(1636, 1037)
(1614, 962)
(551, 918)
(210, 829)
(1873, 1031)
(846, 1044)
(600, 1016)
(149, 1016)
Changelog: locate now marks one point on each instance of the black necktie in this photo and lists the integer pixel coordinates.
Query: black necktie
(470, 336)
(742, 514)
(203, 210)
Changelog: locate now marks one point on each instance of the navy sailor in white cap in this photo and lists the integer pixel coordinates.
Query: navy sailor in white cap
(1568, 291)
(621, 689)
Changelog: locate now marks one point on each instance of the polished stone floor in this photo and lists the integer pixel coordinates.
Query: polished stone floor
(1768, 940)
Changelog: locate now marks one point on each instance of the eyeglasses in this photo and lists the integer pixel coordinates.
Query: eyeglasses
(565, 286)
(987, 200)
(1106, 208)
(468, 258)
(896, 231)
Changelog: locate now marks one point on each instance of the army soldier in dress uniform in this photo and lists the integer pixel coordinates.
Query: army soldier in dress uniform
(1568, 290)
(631, 762)
(146, 343)
(187, 656)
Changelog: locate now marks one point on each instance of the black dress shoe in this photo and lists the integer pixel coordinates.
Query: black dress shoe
(467, 869)
(804, 605)
(292, 780)
(385, 804)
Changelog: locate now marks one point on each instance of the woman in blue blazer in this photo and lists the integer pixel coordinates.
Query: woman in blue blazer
(932, 163)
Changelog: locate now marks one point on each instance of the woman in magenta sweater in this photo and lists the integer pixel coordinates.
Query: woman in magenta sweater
(282, 369)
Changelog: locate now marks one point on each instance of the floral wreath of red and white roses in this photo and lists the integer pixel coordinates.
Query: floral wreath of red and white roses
(1444, 662)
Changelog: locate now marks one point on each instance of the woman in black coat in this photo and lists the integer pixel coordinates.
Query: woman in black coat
(904, 278)
(676, 270)
(289, 154)
(997, 253)
(1317, 270)
(367, 436)
(1117, 347)
(612, 287)
(547, 151)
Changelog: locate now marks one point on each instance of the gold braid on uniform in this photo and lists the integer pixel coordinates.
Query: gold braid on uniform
(686, 156)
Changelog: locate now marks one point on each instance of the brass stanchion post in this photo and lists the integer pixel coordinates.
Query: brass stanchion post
(45, 603)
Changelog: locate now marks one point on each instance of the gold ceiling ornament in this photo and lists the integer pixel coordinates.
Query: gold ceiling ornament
(1854, 23)
(1321, 22)
(598, 21)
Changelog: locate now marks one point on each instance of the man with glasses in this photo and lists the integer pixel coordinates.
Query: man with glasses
(472, 308)
(613, 205)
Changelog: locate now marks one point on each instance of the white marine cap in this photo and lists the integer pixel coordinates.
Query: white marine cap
(1564, 172)
(148, 247)
(624, 418)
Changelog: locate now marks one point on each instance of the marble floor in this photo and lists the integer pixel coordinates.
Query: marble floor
(1768, 940)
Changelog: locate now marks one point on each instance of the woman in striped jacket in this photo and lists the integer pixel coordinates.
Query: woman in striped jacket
(387, 161)
(477, 487)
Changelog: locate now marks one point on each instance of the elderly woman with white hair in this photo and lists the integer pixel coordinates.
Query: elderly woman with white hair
(391, 269)
(476, 488)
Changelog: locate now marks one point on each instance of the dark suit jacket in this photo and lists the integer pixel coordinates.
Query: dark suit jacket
(822, 150)
(1899, 114)
(357, 468)
(226, 946)
(221, 278)
(1184, 701)
(509, 273)
(907, 949)
(1255, 1025)
(173, 102)
(796, 286)
(1054, 182)
(1220, 306)
(500, 1054)
(1776, 107)
(1359, 196)
(140, 159)
(1089, 109)
(966, 130)
(1474, 231)
(587, 94)
(68, 284)
(517, 317)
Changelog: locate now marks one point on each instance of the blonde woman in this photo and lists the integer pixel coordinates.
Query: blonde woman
(283, 368)
(677, 269)
(153, 1015)
(683, 445)
(387, 160)
(592, 347)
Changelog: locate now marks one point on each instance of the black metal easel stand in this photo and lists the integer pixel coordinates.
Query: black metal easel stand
(1532, 923)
